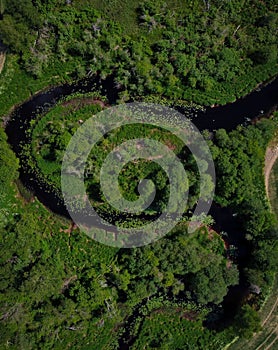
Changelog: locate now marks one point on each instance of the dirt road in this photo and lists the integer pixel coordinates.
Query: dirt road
(270, 158)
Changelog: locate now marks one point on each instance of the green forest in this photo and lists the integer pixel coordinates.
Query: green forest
(59, 288)
(208, 52)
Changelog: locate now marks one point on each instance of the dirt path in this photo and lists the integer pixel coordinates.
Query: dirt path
(2, 60)
(2, 56)
(264, 343)
(271, 156)
(270, 313)
(272, 343)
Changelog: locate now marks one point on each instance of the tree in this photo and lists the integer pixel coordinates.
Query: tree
(247, 322)
(8, 164)
(24, 11)
(2, 7)
(210, 284)
(15, 35)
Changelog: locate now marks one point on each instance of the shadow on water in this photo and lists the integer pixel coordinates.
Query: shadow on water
(239, 249)
(226, 221)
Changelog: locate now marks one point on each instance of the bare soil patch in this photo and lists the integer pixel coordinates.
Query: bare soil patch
(2, 57)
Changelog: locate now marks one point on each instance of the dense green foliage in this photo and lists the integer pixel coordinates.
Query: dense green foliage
(58, 287)
(9, 167)
(239, 159)
(51, 134)
(8, 164)
(247, 322)
(177, 330)
(207, 52)
(179, 263)
(61, 290)
(50, 137)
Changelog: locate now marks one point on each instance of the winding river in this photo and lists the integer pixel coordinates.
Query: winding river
(261, 102)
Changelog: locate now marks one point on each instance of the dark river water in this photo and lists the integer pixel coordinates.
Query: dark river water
(243, 111)
(260, 102)
(263, 100)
